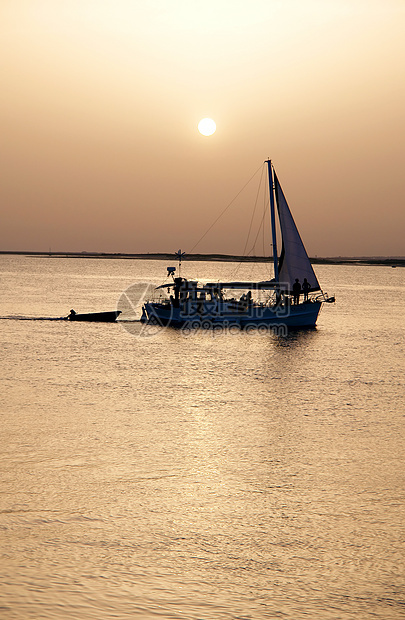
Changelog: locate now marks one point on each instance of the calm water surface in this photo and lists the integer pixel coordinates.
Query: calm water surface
(201, 477)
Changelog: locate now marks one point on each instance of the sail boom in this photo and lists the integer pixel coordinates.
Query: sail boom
(264, 285)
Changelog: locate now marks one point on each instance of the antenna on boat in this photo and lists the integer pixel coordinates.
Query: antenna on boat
(179, 255)
(273, 219)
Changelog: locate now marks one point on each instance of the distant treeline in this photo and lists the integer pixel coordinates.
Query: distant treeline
(364, 260)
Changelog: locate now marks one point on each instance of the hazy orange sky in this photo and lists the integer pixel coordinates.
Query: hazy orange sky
(100, 104)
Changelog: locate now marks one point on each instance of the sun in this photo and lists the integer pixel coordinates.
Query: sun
(207, 126)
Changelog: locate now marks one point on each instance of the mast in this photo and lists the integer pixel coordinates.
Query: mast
(273, 220)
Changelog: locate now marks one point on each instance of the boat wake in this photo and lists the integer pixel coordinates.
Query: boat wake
(32, 318)
(17, 317)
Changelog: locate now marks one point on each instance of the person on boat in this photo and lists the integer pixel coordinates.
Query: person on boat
(306, 287)
(178, 289)
(72, 314)
(296, 291)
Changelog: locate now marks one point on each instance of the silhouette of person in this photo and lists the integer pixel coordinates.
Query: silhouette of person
(296, 291)
(306, 288)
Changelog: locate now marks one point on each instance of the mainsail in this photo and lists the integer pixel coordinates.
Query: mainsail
(293, 262)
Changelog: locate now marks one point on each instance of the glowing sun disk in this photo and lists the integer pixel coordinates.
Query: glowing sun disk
(207, 126)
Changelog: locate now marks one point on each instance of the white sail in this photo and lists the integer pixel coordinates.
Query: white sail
(293, 262)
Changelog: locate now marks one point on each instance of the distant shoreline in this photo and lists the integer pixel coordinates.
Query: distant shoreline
(379, 260)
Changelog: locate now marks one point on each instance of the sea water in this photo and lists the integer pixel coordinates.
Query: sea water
(203, 475)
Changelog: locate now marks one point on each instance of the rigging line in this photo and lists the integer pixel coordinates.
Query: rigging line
(254, 211)
(260, 226)
(222, 213)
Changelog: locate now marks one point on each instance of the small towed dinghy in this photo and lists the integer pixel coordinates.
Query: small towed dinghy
(101, 317)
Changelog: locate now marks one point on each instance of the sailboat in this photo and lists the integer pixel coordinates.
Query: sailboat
(291, 299)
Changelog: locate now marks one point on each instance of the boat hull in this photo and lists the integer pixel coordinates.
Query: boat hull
(98, 317)
(301, 316)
